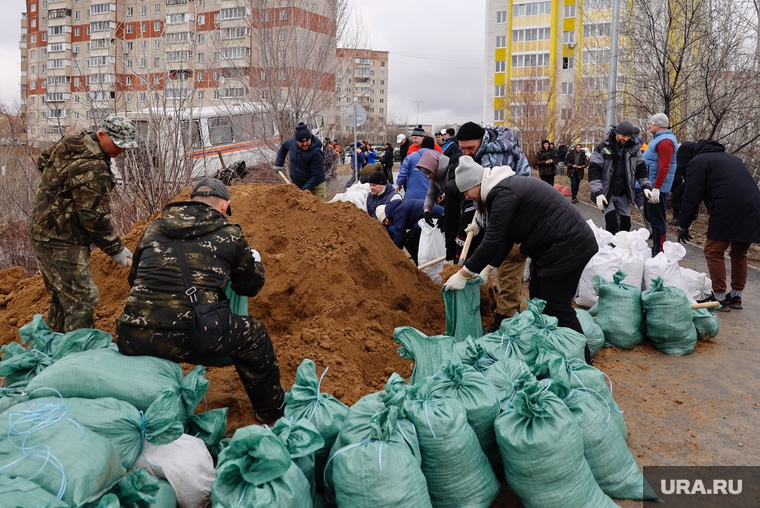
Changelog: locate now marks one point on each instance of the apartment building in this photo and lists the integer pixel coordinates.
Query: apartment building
(546, 67)
(363, 79)
(85, 59)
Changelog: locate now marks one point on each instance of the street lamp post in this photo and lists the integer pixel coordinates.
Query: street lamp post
(418, 111)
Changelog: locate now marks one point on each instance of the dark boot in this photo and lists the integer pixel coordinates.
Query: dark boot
(269, 416)
(494, 327)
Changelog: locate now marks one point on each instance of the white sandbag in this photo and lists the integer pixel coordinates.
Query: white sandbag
(432, 246)
(665, 265)
(639, 239)
(603, 237)
(604, 264)
(631, 257)
(186, 464)
(356, 194)
(699, 283)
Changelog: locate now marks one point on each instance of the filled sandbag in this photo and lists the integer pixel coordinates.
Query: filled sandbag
(356, 194)
(140, 489)
(507, 377)
(463, 311)
(665, 266)
(669, 319)
(210, 427)
(17, 491)
(620, 311)
(428, 353)
(604, 264)
(302, 440)
(256, 471)
(542, 448)
(379, 471)
(633, 252)
(455, 467)
(565, 341)
(512, 339)
(473, 354)
(139, 380)
(68, 460)
(699, 285)
(592, 331)
(706, 323)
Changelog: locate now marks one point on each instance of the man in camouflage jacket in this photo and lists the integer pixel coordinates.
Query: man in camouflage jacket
(157, 314)
(73, 210)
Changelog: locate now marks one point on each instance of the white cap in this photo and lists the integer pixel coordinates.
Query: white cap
(400, 138)
(443, 131)
(380, 213)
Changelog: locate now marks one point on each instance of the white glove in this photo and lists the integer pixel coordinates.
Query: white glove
(455, 283)
(652, 195)
(484, 275)
(256, 255)
(122, 257)
(601, 202)
(474, 227)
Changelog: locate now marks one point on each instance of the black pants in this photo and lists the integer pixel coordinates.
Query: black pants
(558, 292)
(655, 214)
(548, 179)
(676, 193)
(412, 242)
(247, 343)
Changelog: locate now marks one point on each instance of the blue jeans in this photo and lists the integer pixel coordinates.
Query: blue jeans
(575, 184)
(655, 214)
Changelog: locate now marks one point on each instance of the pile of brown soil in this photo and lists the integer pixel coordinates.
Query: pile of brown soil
(336, 288)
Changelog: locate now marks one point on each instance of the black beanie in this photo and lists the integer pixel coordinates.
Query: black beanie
(469, 131)
(625, 128)
(302, 132)
(378, 177)
(427, 142)
(545, 142)
(685, 153)
(418, 131)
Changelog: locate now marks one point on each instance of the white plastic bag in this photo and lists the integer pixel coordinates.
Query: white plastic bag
(604, 263)
(186, 464)
(699, 284)
(631, 257)
(356, 194)
(432, 246)
(665, 265)
(603, 237)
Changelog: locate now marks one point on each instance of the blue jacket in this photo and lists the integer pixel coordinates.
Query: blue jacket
(651, 157)
(385, 197)
(405, 214)
(307, 167)
(417, 184)
(500, 147)
(371, 155)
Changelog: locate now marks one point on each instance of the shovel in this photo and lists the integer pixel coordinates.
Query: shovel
(282, 175)
(465, 249)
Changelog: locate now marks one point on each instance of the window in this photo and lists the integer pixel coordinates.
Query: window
(143, 45)
(130, 11)
(156, 26)
(501, 41)
(234, 53)
(283, 14)
(501, 16)
(100, 26)
(567, 88)
(201, 19)
(568, 37)
(596, 55)
(201, 95)
(498, 115)
(33, 7)
(58, 30)
(234, 33)
(532, 60)
(201, 38)
(34, 22)
(216, 18)
(232, 13)
(44, 36)
(157, 44)
(32, 85)
(568, 62)
(44, 20)
(532, 9)
(499, 91)
(77, 31)
(142, 97)
(219, 128)
(281, 35)
(531, 34)
(201, 57)
(129, 63)
(130, 29)
(157, 8)
(570, 11)
(283, 94)
(266, 16)
(129, 45)
(143, 10)
(382, 101)
(501, 65)
(179, 56)
(182, 17)
(129, 81)
(143, 27)
(596, 30)
(157, 61)
(33, 53)
(33, 38)
(76, 15)
(142, 63)
(201, 76)
(99, 9)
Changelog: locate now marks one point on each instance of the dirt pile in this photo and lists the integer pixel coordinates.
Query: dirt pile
(336, 288)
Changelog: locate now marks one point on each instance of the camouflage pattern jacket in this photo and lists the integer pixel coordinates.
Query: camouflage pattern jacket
(73, 203)
(216, 252)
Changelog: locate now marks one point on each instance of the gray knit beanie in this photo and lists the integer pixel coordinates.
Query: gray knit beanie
(468, 174)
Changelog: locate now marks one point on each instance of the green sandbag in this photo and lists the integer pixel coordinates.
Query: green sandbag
(592, 331)
(305, 400)
(119, 422)
(542, 449)
(507, 377)
(12, 395)
(63, 457)
(379, 471)
(620, 311)
(302, 439)
(139, 380)
(256, 471)
(428, 353)
(20, 365)
(140, 490)
(463, 311)
(669, 319)
(455, 467)
(606, 452)
(478, 397)
(211, 427)
(706, 323)
(17, 491)
(513, 339)
(238, 304)
(473, 354)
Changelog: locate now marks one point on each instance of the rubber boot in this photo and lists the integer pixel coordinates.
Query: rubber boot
(494, 327)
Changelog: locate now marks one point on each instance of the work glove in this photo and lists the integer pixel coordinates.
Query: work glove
(484, 274)
(455, 283)
(278, 168)
(122, 257)
(256, 255)
(601, 202)
(683, 235)
(652, 195)
(474, 228)
(429, 218)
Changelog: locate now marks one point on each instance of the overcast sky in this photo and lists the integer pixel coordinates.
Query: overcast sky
(436, 55)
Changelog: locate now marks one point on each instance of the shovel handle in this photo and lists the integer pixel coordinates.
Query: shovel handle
(282, 175)
(129, 263)
(468, 241)
(431, 263)
(705, 305)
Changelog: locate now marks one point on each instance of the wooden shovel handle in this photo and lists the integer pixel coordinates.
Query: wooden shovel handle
(468, 241)
(705, 305)
(431, 263)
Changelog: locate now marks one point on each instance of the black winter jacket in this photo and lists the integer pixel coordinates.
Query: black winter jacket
(548, 228)
(730, 194)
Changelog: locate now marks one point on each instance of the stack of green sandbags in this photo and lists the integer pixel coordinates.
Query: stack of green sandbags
(138, 380)
(428, 353)
(456, 469)
(542, 448)
(463, 311)
(378, 471)
(257, 471)
(620, 312)
(669, 319)
(592, 331)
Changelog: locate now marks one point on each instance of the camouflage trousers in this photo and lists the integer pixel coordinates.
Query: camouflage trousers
(67, 273)
(246, 343)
